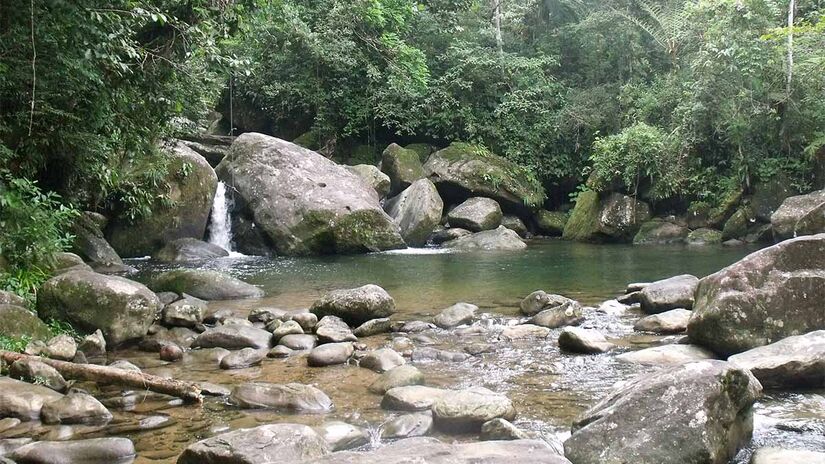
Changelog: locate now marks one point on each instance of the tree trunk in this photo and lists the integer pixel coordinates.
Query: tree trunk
(791, 8)
(189, 392)
(497, 25)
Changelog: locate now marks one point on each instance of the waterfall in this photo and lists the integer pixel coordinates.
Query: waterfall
(220, 227)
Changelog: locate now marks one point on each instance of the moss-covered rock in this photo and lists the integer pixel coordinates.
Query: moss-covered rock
(615, 217)
(583, 224)
(769, 195)
(89, 242)
(464, 170)
(658, 232)
(550, 222)
(704, 236)
(17, 321)
(424, 150)
(725, 209)
(204, 284)
(402, 166)
(373, 177)
(192, 183)
(738, 224)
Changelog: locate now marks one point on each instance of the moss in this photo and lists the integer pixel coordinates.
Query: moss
(737, 225)
(424, 150)
(583, 224)
(551, 222)
(726, 207)
(402, 166)
(366, 230)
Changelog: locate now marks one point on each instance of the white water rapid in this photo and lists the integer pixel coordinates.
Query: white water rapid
(220, 227)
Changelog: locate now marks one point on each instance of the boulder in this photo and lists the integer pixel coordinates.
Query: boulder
(550, 222)
(342, 436)
(382, 360)
(445, 235)
(515, 224)
(615, 217)
(704, 237)
(800, 215)
(89, 451)
(89, 242)
(697, 412)
(290, 397)
(9, 298)
(412, 398)
(75, 408)
(401, 376)
(333, 329)
(666, 355)
(769, 195)
(500, 239)
(501, 429)
(242, 359)
(61, 347)
(330, 354)
(524, 331)
(540, 300)
(476, 214)
(289, 443)
(462, 170)
(768, 295)
(417, 211)
(402, 166)
(467, 410)
(355, 306)
(298, 342)
(455, 315)
(204, 284)
(23, 400)
(234, 337)
(658, 232)
(170, 352)
(416, 424)
(186, 312)
(671, 293)
(668, 322)
(122, 309)
(18, 322)
(739, 223)
(93, 345)
(787, 456)
(184, 250)
(587, 341)
(303, 202)
(191, 184)
(793, 362)
(181, 336)
(373, 327)
(424, 150)
(32, 370)
(568, 313)
(373, 177)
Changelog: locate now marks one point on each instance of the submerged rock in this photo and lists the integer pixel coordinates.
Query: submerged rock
(787, 456)
(769, 295)
(672, 293)
(342, 436)
(355, 306)
(188, 249)
(75, 408)
(382, 360)
(793, 362)
(466, 410)
(204, 284)
(704, 408)
(330, 354)
(234, 337)
(417, 211)
(667, 355)
(800, 215)
(668, 322)
(500, 239)
(267, 443)
(523, 331)
(291, 397)
(432, 354)
(476, 214)
(408, 425)
(89, 451)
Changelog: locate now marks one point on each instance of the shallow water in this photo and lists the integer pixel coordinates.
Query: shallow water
(548, 388)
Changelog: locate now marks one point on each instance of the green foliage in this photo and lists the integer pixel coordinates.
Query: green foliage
(14, 344)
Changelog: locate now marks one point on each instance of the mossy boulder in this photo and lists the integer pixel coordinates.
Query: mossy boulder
(476, 214)
(704, 236)
(658, 232)
(122, 309)
(191, 186)
(402, 166)
(424, 150)
(204, 284)
(417, 211)
(304, 203)
(800, 215)
(463, 170)
(551, 222)
(726, 208)
(373, 177)
(769, 195)
(18, 322)
(615, 217)
(738, 224)
(89, 242)
(583, 224)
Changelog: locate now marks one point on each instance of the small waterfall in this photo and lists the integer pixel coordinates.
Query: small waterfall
(220, 227)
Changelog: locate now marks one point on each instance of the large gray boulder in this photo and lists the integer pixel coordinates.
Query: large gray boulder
(476, 214)
(191, 183)
(659, 232)
(288, 443)
(417, 211)
(500, 239)
(467, 410)
(23, 400)
(614, 217)
(290, 397)
(402, 166)
(122, 309)
(18, 321)
(767, 296)
(373, 177)
(672, 293)
(355, 306)
(698, 412)
(792, 362)
(800, 215)
(303, 202)
(89, 451)
(188, 249)
(89, 242)
(204, 284)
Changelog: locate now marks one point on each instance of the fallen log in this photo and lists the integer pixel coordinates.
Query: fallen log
(187, 391)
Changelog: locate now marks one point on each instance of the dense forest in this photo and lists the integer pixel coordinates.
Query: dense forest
(683, 103)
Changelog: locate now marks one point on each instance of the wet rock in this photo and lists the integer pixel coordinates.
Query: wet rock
(184, 250)
(748, 303)
(122, 309)
(786, 456)
(287, 328)
(407, 426)
(186, 312)
(373, 327)
(124, 365)
(280, 351)
(500, 239)
(355, 306)
(476, 214)
(34, 371)
(373, 177)
(613, 308)
(630, 298)
(167, 297)
(234, 337)
(298, 342)
(705, 407)
(332, 329)
(8, 445)
(244, 358)
(402, 166)
(587, 341)
(243, 322)
(704, 237)
(793, 362)
(400, 376)
(551, 222)
(204, 284)
(265, 315)
(291, 397)
(342, 436)
(94, 345)
(569, 313)
(303, 202)
(382, 360)
(455, 315)
(432, 354)
(540, 300)
(668, 322)
(330, 354)
(171, 353)
(288, 443)
(412, 398)
(307, 320)
(417, 211)
(467, 410)
(416, 327)
(90, 451)
(515, 224)
(501, 429)
(800, 215)
(667, 355)
(659, 232)
(524, 331)
(75, 408)
(180, 336)
(672, 293)
(19, 321)
(8, 423)
(445, 235)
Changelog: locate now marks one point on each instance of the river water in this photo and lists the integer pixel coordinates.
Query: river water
(548, 388)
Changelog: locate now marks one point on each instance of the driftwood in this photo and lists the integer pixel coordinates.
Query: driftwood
(187, 391)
